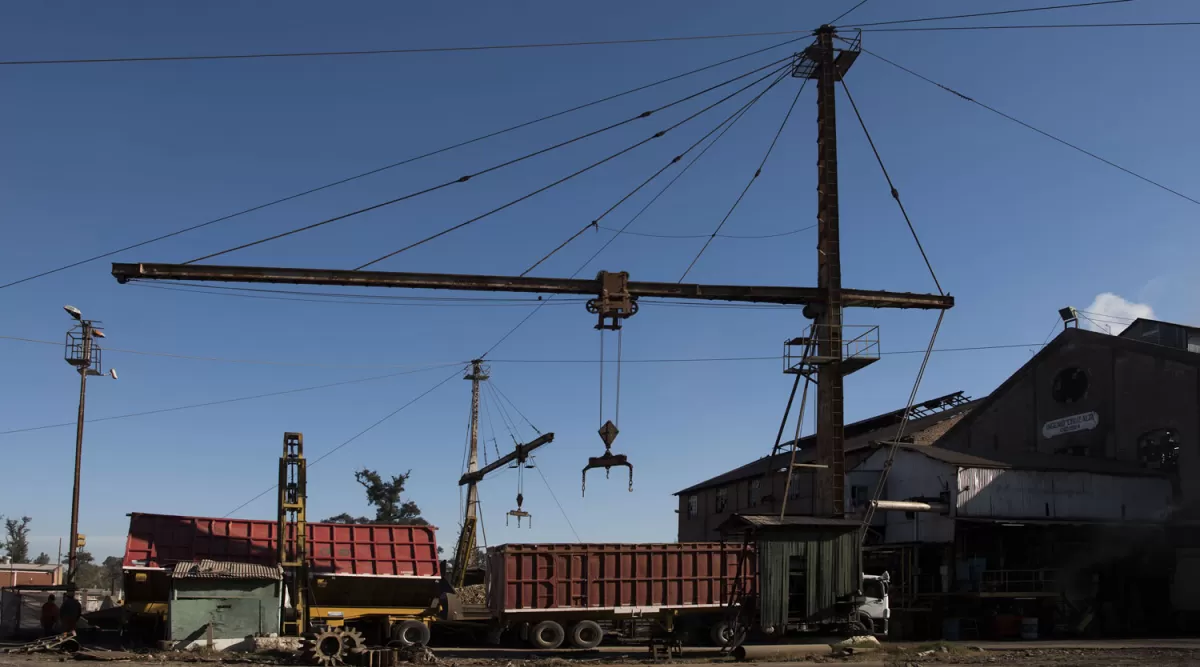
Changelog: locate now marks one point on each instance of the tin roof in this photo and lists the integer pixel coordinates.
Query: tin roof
(215, 569)
(859, 436)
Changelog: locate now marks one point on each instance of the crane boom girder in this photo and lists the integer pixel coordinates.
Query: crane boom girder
(450, 281)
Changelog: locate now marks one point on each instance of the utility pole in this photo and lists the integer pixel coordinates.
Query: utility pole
(827, 325)
(82, 352)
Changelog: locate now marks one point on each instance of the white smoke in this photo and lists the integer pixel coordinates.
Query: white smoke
(1110, 313)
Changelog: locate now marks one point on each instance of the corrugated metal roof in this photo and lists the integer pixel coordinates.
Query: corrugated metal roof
(215, 569)
(859, 435)
(774, 520)
(1030, 461)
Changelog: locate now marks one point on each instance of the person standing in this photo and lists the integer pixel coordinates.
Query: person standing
(49, 616)
(70, 613)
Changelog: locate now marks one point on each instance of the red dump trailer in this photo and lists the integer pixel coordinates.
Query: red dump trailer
(576, 594)
(376, 578)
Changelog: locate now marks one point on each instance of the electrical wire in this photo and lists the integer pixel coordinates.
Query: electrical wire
(594, 224)
(1099, 327)
(568, 177)
(225, 401)
(372, 52)
(354, 437)
(495, 167)
(757, 173)
(704, 236)
(1161, 24)
(1035, 129)
(560, 505)
(993, 13)
(892, 187)
(403, 162)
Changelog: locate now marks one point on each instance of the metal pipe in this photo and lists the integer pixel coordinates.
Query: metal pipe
(780, 651)
(909, 506)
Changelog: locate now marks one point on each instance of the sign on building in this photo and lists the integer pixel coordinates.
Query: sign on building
(1084, 422)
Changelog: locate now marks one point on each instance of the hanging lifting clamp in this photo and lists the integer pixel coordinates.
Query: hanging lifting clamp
(519, 513)
(614, 302)
(607, 460)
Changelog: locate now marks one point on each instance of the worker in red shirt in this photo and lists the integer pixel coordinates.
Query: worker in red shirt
(49, 616)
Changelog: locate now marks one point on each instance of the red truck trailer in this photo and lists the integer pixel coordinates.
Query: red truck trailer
(576, 594)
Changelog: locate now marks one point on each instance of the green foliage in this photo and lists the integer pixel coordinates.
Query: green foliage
(386, 497)
(42, 559)
(17, 539)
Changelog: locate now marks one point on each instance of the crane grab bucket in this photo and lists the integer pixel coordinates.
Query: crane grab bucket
(607, 460)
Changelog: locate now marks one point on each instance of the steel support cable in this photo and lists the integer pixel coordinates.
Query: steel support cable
(491, 425)
(403, 162)
(506, 418)
(371, 52)
(1031, 127)
(560, 505)
(495, 167)
(227, 400)
(356, 436)
(595, 224)
(514, 407)
(787, 411)
(757, 173)
(869, 515)
(568, 177)
(848, 12)
(1061, 26)
(596, 254)
(791, 467)
(993, 13)
(892, 186)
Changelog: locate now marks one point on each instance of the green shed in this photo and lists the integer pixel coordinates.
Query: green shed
(809, 568)
(222, 601)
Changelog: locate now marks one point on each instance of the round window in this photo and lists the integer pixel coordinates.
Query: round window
(1070, 385)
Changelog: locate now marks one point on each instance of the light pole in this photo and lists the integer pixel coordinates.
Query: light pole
(82, 352)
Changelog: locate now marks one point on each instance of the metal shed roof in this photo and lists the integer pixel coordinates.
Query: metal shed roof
(215, 569)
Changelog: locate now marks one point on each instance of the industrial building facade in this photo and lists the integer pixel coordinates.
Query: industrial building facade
(1066, 498)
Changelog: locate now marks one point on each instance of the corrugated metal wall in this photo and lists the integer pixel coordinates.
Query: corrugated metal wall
(834, 569)
(1033, 494)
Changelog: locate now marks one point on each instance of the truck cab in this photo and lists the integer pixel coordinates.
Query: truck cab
(874, 612)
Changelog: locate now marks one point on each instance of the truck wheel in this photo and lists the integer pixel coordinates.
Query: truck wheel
(546, 635)
(410, 633)
(586, 634)
(721, 633)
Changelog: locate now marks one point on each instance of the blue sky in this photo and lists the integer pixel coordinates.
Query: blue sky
(98, 156)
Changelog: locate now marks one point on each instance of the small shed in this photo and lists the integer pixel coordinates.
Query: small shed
(235, 600)
(806, 565)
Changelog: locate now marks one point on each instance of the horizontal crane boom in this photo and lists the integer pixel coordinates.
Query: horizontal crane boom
(450, 281)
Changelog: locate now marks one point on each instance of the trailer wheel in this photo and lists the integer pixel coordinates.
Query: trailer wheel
(410, 633)
(586, 634)
(546, 635)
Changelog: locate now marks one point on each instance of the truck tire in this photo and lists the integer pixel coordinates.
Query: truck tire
(867, 623)
(546, 635)
(721, 633)
(586, 634)
(410, 633)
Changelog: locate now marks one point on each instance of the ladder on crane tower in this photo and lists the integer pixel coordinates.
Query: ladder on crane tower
(291, 532)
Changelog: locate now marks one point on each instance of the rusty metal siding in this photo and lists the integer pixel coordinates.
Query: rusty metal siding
(161, 541)
(527, 577)
(1033, 494)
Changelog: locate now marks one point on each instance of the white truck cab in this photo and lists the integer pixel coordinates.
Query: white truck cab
(874, 613)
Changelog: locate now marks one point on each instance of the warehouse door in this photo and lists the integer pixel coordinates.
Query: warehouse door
(797, 587)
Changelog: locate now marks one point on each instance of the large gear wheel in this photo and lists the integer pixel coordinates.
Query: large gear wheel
(324, 648)
(352, 640)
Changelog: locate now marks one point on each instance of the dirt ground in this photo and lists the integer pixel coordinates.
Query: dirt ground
(941, 655)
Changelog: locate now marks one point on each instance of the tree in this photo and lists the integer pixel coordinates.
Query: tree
(386, 498)
(42, 559)
(111, 569)
(17, 542)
